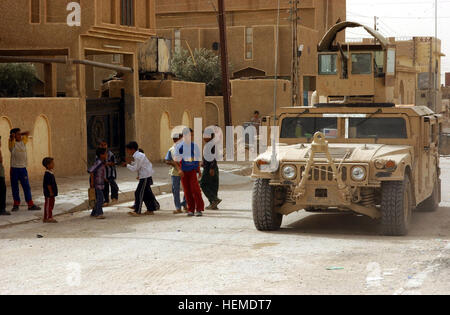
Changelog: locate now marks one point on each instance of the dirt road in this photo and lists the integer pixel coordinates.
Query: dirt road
(222, 253)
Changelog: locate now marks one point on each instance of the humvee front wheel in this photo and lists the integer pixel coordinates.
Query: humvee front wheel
(264, 215)
(396, 207)
(432, 203)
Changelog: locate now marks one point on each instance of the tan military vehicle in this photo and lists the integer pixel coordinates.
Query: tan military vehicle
(351, 152)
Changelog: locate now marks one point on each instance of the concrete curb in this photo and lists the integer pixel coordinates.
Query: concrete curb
(127, 196)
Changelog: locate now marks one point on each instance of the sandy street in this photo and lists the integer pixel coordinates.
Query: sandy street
(222, 253)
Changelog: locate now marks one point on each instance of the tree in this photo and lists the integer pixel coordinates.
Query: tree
(17, 79)
(206, 69)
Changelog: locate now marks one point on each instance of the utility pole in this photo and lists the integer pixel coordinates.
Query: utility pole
(431, 83)
(375, 26)
(437, 73)
(226, 88)
(295, 75)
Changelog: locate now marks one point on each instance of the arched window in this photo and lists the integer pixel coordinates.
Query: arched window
(186, 120)
(40, 146)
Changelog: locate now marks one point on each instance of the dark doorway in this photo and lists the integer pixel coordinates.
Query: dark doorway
(105, 121)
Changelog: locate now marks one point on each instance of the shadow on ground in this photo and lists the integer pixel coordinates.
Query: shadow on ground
(423, 225)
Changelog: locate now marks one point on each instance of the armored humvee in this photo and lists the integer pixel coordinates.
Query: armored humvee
(354, 150)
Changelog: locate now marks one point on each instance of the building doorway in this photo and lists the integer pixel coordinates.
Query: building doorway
(105, 121)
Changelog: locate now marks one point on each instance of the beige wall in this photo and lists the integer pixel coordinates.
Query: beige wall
(315, 14)
(263, 47)
(54, 132)
(250, 95)
(405, 88)
(197, 22)
(159, 114)
(186, 97)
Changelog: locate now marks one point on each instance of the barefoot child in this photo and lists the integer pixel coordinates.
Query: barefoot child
(50, 189)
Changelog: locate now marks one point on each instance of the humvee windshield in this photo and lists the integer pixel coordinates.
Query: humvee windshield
(306, 127)
(385, 128)
(356, 128)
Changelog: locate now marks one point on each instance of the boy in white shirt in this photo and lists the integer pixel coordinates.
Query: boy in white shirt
(138, 162)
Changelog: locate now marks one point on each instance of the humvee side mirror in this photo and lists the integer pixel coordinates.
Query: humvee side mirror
(390, 62)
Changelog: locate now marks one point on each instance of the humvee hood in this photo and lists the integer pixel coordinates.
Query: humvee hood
(351, 152)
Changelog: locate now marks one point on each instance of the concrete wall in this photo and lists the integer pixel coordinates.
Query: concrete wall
(54, 132)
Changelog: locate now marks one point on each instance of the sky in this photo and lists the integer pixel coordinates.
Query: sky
(403, 18)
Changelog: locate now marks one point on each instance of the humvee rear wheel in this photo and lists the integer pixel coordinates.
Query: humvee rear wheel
(264, 215)
(432, 203)
(396, 207)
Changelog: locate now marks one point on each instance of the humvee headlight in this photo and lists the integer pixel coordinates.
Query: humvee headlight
(358, 173)
(379, 164)
(389, 165)
(289, 172)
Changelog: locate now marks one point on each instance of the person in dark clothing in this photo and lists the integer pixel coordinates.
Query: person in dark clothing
(210, 176)
(111, 176)
(98, 176)
(2, 186)
(50, 189)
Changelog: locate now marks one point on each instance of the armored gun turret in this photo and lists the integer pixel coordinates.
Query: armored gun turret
(355, 74)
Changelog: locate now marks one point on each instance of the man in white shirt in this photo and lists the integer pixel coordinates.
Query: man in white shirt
(138, 162)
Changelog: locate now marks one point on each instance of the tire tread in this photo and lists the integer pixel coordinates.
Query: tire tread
(264, 216)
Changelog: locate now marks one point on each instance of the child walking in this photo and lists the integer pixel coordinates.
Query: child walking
(210, 178)
(98, 177)
(111, 176)
(138, 162)
(175, 176)
(50, 189)
(187, 153)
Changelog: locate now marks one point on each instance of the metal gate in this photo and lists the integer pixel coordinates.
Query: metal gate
(105, 121)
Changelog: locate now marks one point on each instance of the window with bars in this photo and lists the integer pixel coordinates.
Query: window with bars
(249, 43)
(35, 11)
(177, 41)
(127, 12)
